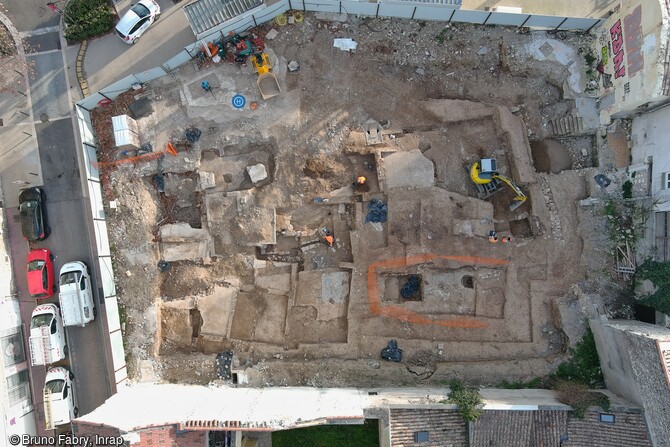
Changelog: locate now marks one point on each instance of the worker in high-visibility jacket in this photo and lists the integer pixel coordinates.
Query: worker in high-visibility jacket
(361, 184)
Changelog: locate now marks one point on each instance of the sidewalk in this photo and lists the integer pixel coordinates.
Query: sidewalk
(19, 158)
(572, 8)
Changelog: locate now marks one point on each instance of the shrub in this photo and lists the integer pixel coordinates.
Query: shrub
(578, 396)
(469, 400)
(584, 365)
(659, 274)
(88, 18)
(627, 189)
(520, 384)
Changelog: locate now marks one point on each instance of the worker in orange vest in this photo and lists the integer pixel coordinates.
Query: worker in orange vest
(361, 184)
(328, 237)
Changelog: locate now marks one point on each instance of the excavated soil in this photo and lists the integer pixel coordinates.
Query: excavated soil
(297, 312)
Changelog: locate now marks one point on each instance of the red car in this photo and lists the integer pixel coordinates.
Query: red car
(40, 272)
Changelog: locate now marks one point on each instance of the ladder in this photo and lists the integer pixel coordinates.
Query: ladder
(48, 417)
(45, 343)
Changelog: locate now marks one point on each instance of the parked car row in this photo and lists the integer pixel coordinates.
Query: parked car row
(75, 307)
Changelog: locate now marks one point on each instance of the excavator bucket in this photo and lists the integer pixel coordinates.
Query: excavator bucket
(516, 203)
(268, 85)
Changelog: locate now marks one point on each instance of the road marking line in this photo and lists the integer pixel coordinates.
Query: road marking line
(37, 53)
(40, 31)
(58, 118)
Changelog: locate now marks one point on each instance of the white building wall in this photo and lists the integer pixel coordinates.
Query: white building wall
(15, 417)
(631, 46)
(650, 136)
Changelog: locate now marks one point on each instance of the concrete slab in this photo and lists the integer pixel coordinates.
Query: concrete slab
(183, 232)
(260, 317)
(257, 172)
(182, 242)
(329, 304)
(217, 310)
(408, 169)
(280, 283)
(184, 251)
(206, 180)
(335, 287)
(517, 138)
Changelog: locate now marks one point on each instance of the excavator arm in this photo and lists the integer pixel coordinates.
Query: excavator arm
(520, 196)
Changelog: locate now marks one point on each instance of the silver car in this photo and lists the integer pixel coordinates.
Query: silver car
(136, 21)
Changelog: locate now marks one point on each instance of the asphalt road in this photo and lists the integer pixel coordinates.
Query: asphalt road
(109, 59)
(54, 160)
(67, 242)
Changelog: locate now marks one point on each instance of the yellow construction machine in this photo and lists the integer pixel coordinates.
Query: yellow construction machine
(267, 81)
(484, 174)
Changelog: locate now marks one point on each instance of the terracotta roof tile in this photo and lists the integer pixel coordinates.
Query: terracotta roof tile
(629, 429)
(500, 428)
(446, 428)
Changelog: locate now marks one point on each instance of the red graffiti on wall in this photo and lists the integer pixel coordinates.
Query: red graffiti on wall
(631, 24)
(617, 48)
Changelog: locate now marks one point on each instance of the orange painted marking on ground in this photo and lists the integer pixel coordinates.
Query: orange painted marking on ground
(402, 314)
(169, 149)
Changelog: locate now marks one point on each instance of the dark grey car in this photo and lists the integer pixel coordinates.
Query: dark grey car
(33, 217)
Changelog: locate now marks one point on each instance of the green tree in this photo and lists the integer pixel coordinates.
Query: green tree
(468, 399)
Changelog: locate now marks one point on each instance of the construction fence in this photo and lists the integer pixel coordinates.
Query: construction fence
(244, 22)
(103, 251)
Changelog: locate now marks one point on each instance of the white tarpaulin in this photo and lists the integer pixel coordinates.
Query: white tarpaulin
(345, 44)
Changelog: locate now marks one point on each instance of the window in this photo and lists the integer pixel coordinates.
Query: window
(12, 347)
(421, 436)
(140, 10)
(607, 418)
(138, 25)
(663, 236)
(665, 180)
(18, 388)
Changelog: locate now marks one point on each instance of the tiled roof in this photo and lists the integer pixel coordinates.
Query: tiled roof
(505, 428)
(89, 430)
(628, 429)
(446, 428)
(168, 437)
(499, 428)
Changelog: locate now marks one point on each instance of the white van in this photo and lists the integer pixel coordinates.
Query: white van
(76, 296)
(47, 337)
(60, 406)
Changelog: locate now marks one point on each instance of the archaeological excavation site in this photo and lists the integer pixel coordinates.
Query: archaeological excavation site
(424, 188)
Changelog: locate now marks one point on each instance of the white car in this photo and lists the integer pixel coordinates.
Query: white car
(136, 21)
(75, 295)
(47, 337)
(59, 401)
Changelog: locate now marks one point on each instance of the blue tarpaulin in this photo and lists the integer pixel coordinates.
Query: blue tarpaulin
(376, 211)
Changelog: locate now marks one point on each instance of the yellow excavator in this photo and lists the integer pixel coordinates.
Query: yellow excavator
(267, 81)
(484, 174)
